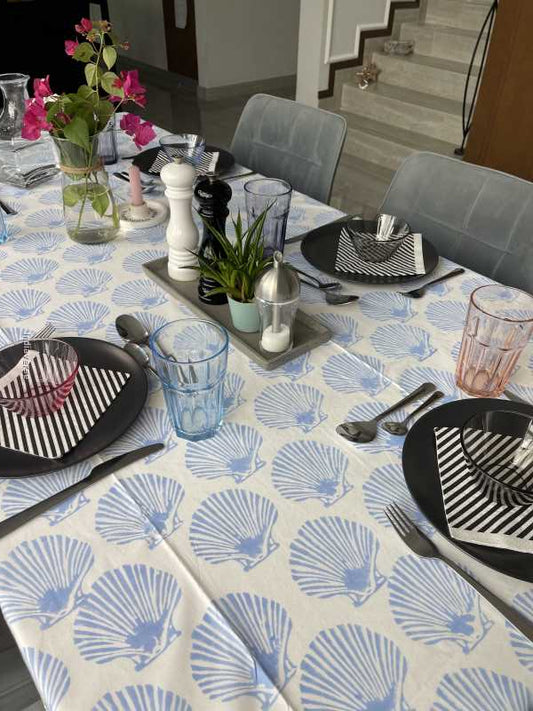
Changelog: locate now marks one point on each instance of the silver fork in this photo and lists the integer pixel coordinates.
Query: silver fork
(420, 544)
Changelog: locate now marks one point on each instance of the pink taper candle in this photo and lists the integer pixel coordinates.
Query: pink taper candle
(136, 194)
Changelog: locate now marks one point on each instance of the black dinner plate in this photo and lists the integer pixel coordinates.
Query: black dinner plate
(113, 423)
(422, 477)
(146, 159)
(319, 247)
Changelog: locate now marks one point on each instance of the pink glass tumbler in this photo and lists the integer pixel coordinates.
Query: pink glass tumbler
(498, 327)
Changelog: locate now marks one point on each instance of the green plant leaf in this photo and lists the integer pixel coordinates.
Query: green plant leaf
(84, 52)
(108, 78)
(100, 201)
(77, 131)
(72, 194)
(91, 74)
(109, 54)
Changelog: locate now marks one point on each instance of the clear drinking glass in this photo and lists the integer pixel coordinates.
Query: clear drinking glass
(13, 92)
(107, 144)
(276, 195)
(187, 145)
(3, 228)
(190, 357)
(498, 326)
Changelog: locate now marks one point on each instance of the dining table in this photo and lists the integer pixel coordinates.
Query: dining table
(255, 570)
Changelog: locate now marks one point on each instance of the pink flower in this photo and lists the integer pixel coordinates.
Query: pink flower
(84, 26)
(142, 132)
(129, 83)
(70, 46)
(34, 120)
(130, 123)
(41, 87)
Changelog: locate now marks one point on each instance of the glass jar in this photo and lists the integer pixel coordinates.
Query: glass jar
(91, 215)
(14, 92)
(277, 294)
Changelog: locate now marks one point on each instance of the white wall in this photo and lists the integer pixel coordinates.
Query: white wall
(141, 23)
(312, 71)
(242, 41)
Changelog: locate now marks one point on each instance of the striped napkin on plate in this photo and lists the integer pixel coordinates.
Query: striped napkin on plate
(207, 164)
(473, 512)
(406, 261)
(54, 435)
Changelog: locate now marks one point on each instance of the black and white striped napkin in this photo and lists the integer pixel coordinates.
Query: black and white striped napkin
(475, 510)
(52, 436)
(207, 164)
(406, 261)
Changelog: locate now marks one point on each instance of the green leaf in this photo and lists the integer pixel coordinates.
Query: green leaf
(72, 194)
(91, 74)
(84, 52)
(110, 56)
(107, 81)
(77, 131)
(100, 202)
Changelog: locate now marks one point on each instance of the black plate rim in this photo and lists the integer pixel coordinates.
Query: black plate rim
(431, 257)
(224, 156)
(482, 554)
(138, 376)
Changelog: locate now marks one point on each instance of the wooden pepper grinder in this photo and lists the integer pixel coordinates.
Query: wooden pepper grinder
(212, 196)
(182, 233)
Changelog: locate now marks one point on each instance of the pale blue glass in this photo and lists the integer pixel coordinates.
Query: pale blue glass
(3, 227)
(190, 356)
(275, 196)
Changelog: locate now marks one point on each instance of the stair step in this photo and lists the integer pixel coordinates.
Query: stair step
(457, 13)
(431, 75)
(386, 145)
(414, 111)
(441, 41)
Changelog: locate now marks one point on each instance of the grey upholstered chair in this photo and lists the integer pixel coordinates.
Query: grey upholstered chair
(282, 139)
(478, 217)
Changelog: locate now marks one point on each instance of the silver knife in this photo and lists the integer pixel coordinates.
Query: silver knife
(98, 472)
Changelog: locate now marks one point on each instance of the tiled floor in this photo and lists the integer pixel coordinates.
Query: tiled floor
(359, 186)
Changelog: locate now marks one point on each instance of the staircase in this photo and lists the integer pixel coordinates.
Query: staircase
(416, 105)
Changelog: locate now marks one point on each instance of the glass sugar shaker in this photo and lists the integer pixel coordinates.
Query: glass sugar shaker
(277, 293)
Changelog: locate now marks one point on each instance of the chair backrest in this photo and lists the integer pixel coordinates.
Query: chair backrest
(282, 139)
(475, 216)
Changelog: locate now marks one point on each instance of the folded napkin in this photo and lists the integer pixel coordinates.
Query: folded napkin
(52, 436)
(474, 511)
(406, 261)
(207, 164)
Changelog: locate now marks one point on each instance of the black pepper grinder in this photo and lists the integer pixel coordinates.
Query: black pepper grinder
(212, 197)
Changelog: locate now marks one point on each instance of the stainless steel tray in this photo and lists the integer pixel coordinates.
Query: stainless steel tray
(308, 332)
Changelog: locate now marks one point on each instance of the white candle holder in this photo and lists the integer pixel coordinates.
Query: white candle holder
(140, 217)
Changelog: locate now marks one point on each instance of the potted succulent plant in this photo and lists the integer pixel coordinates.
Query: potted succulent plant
(237, 270)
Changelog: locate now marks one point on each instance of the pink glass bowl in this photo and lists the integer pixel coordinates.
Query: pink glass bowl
(36, 376)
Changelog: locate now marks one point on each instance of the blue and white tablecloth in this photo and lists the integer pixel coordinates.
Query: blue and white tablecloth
(255, 570)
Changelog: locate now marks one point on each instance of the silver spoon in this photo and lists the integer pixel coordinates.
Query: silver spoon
(140, 355)
(421, 290)
(400, 428)
(332, 297)
(319, 284)
(131, 329)
(366, 430)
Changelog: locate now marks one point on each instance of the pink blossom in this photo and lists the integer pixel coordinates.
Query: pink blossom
(142, 132)
(129, 83)
(84, 26)
(130, 123)
(41, 87)
(34, 120)
(70, 46)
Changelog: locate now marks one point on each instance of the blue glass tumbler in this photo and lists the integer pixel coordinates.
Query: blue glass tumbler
(263, 193)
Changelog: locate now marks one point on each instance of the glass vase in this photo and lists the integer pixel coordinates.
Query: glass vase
(91, 215)
(13, 93)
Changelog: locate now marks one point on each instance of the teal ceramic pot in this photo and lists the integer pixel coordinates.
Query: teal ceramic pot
(245, 316)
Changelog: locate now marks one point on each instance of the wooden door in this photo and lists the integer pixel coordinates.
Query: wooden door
(180, 34)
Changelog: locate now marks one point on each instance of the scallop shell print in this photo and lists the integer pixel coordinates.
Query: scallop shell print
(141, 293)
(42, 579)
(13, 335)
(152, 235)
(79, 316)
(232, 452)
(398, 341)
(413, 377)
(234, 525)
(50, 675)
(352, 668)
(46, 218)
(477, 689)
(332, 556)
(523, 647)
(51, 197)
(233, 385)
(385, 485)
(152, 426)
(447, 315)
(240, 649)
(307, 469)
(84, 282)
(290, 405)
(23, 303)
(128, 614)
(293, 370)
(468, 285)
(20, 494)
(436, 606)
(141, 507)
(29, 271)
(347, 373)
(89, 254)
(386, 306)
(344, 328)
(384, 442)
(142, 698)
(134, 262)
(39, 242)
